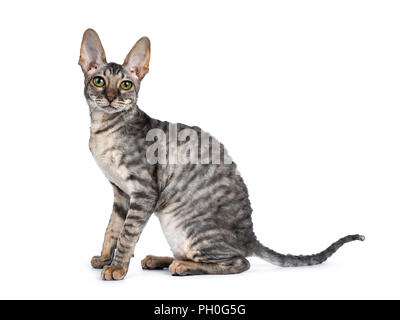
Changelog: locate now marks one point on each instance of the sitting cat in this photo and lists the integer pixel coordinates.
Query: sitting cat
(203, 205)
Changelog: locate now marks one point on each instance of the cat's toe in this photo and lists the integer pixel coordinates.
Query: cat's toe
(149, 263)
(98, 262)
(178, 268)
(155, 263)
(146, 262)
(113, 273)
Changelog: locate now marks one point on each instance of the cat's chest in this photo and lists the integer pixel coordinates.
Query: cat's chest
(108, 157)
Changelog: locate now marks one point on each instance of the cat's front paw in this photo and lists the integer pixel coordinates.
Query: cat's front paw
(98, 262)
(113, 273)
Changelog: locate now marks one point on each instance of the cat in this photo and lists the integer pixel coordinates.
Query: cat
(203, 207)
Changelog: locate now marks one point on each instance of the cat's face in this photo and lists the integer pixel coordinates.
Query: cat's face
(111, 87)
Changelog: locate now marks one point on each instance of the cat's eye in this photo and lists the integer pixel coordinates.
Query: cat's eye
(126, 85)
(98, 81)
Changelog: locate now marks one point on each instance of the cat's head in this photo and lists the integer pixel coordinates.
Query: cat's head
(112, 87)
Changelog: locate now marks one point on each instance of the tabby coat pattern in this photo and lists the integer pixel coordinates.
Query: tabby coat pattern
(204, 208)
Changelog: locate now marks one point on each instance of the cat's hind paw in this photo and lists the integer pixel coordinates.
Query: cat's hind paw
(185, 268)
(156, 263)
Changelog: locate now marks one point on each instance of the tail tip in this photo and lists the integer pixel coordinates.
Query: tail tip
(361, 237)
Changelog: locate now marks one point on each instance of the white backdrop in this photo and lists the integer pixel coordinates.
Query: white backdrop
(304, 94)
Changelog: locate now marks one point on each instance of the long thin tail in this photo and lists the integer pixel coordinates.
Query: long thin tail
(299, 261)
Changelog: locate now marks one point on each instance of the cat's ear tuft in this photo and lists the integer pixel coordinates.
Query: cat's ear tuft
(92, 52)
(137, 60)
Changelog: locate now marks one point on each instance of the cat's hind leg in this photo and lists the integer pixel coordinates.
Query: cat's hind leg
(156, 263)
(187, 268)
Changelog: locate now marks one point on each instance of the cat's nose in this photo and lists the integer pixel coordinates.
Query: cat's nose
(110, 97)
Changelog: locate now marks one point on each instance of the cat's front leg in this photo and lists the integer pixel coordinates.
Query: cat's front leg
(119, 212)
(136, 219)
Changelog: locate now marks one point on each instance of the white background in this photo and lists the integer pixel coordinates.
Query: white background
(304, 94)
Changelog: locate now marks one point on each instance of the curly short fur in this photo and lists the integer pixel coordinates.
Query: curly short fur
(204, 208)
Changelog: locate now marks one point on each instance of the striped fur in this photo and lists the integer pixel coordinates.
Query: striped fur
(204, 209)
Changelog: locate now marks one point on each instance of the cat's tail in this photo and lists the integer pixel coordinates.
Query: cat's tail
(289, 260)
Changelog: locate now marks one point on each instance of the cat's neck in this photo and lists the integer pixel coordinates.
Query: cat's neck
(101, 120)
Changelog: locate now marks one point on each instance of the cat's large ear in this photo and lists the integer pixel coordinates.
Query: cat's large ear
(92, 52)
(137, 60)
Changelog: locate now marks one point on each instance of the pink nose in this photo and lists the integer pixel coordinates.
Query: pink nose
(110, 98)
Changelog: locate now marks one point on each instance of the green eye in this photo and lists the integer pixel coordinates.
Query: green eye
(126, 85)
(98, 81)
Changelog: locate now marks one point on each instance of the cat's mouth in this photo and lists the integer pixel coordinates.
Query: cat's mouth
(110, 109)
